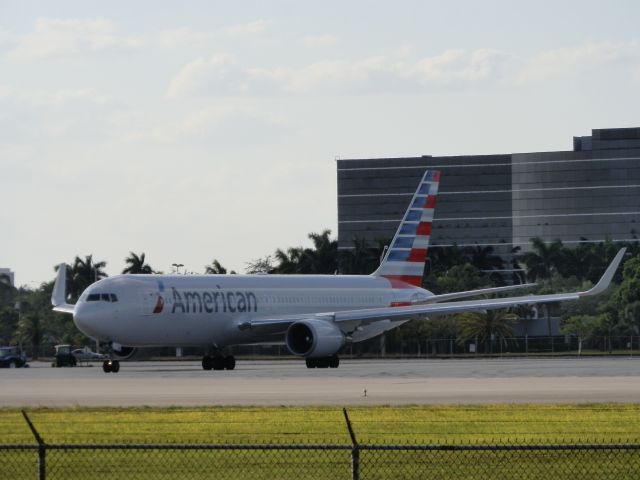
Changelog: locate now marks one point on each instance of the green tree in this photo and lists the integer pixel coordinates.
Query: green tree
(136, 264)
(7, 290)
(458, 279)
(582, 326)
(260, 265)
(544, 260)
(623, 306)
(363, 258)
(8, 323)
(82, 273)
(486, 327)
(289, 260)
(216, 268)
(323, 257)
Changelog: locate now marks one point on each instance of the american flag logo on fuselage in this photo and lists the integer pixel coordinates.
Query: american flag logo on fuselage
(404, 262)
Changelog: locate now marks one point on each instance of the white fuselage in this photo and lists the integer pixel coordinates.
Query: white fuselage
(202, 310)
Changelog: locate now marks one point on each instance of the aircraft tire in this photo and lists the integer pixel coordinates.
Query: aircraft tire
(334, 362)
(218, 363)
(106, 366)
(115, 366)
(207, 362)
(312, 362)
(229, 362)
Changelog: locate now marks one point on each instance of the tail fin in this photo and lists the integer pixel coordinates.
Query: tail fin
(404, 262)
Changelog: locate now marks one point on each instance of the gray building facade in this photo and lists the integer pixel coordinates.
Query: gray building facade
(588, 194)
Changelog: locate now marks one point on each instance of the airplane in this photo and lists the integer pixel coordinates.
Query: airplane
(313, 315)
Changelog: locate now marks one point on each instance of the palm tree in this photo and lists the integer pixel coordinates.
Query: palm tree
(30, 329)
(216, 268)
(323, 258)
(483, 258)
(289, 261)
(363, 258)
(486, 327)
(82, 273)
(545, 260)
(135, 264)
(7, 290)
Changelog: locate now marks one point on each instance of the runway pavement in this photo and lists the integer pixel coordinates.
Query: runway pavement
(288, 382)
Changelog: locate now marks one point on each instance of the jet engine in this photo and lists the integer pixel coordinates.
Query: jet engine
(314, 338)
(124, 352)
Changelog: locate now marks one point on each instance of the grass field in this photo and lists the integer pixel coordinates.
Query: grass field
(451, 425)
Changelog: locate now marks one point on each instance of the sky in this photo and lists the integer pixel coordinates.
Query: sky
(197, 130)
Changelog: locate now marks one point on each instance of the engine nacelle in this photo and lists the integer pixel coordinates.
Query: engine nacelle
(124, 352)
(314, 338)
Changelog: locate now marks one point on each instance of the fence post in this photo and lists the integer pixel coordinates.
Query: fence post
(355, 450)
(42, 448)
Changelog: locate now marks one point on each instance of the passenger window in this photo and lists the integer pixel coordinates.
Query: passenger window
(105, 297)
(114, 298)
(93, 297)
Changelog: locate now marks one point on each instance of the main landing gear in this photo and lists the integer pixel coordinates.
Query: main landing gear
(324, 362)
(218, 362)
(111, 366)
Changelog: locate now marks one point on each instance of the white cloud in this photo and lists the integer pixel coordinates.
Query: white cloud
(399, 71)
(231, 123)
(184, 37)
(573, 60)
(324, 40)
(218, 72)
(70, 37)
(463, 66)
(247, 30)
(222, 74)
(41, 97)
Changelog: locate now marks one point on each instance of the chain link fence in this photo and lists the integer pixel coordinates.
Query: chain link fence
(317, 461)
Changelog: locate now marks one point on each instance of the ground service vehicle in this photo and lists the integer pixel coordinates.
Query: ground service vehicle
(64, 357)
(12, 357)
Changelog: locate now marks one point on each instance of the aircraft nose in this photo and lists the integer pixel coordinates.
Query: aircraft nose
(89, 319)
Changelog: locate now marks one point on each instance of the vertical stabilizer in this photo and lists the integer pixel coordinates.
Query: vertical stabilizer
(404, 262)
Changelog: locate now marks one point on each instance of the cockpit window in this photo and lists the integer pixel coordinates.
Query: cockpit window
(105, 297)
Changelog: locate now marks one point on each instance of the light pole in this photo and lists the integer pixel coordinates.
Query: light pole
(177, 266)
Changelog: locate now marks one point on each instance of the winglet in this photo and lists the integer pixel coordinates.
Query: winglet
(59, 293)
(606, 278)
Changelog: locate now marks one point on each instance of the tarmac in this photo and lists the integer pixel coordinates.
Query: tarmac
(355, 382)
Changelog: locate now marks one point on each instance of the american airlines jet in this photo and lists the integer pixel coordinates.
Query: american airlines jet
(313, 315)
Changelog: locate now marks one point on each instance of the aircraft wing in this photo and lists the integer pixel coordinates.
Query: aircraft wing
(474, 293)
(366, 316)
(445, 308)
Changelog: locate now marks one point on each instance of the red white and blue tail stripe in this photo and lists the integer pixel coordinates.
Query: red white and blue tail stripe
(404, 262)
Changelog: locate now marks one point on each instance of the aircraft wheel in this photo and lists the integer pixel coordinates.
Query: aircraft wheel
(106, 366)
(334, 362)
(207, 362)
(312, 363)
(218, 363)
(229, 362)
(115, 366)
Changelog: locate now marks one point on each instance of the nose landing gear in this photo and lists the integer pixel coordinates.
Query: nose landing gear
(111, 366)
